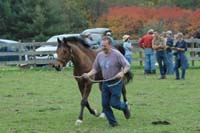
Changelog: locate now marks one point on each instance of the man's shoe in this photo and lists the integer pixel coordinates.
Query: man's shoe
(153, 72)
(113, 125)
(127, 112)
(162, 77)
(147, 72)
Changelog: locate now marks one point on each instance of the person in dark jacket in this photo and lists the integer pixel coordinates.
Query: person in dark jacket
(169, 54)
(180, 57)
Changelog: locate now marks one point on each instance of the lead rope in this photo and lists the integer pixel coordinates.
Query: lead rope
(92, 80)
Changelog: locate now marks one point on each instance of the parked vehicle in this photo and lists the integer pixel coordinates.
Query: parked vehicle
(96, 33)
(12, 48)
(44, 49)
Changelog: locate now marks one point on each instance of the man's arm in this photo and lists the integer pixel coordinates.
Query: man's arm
(141, 43)
(122, 73)
(90, 73)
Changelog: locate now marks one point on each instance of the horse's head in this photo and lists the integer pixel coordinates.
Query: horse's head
(63, 54)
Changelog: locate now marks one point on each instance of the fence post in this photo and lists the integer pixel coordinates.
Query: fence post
(20, 51)
(140, 57)
(34, 58)
(193, 52)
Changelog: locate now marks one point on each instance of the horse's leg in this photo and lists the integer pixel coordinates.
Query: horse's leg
(80, 117)
(124, 93)
(85, 99)
(85, 89)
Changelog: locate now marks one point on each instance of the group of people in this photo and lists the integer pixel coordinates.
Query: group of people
(111, 63)
(162, 47)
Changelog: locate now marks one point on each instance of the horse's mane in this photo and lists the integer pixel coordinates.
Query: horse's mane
(120, 48)
(76, 39)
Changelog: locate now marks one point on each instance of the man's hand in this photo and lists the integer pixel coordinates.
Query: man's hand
(90, 73)
(120, 75)
(85, 75)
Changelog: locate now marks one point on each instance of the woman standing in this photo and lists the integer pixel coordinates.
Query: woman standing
(128, 48)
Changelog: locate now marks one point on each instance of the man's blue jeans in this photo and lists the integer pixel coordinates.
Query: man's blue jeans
(177, 66)
(149, 60)
(162, 62)
(129, 58)
(111, 94)
(170, 65)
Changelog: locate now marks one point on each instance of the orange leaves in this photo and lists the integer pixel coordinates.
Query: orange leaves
(194, 21)
(132, 20)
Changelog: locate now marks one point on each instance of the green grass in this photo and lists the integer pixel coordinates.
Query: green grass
(46, 101)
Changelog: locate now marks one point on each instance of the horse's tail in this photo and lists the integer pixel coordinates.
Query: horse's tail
(128, 77)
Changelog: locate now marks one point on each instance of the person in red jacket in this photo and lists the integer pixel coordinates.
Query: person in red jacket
(149, 59)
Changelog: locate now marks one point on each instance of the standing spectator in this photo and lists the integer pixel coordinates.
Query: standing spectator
(180, 57)
(169, 45)
(128, 48)
(146, 43)
(110, 35)
(112, 64)
(159, 44)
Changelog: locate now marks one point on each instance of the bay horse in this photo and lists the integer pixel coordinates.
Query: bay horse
(82, 57)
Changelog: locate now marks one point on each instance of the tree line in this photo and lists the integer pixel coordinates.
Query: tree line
(37, 20)
(136, 21)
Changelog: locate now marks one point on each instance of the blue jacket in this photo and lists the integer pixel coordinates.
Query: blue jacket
(127, 46)
(170, 42)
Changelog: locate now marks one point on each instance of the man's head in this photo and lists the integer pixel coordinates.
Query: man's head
(169, 33)
(150, 31)
(179, 36)
(125, 37)
(106, 44)
(108, 34)
(156, 34)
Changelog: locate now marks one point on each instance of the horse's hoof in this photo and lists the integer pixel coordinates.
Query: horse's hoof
(96, 113)
(102, 115)
(78, 122)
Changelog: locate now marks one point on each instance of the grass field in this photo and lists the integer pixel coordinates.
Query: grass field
(46, 101)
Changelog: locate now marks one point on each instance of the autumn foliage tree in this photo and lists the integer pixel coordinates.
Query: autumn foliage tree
(194, 21)
(136, 20)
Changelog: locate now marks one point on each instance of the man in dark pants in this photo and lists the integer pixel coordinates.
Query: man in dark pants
(181, 60)
(112, 64)
(159, 45)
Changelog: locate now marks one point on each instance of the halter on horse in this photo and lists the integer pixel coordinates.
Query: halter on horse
(76, 50)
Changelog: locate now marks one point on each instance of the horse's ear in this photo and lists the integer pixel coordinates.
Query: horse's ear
(59, 41)
(66, 42)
